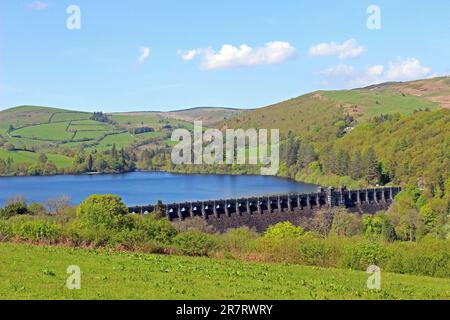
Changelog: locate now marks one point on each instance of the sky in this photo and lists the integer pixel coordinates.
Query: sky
(143, 55)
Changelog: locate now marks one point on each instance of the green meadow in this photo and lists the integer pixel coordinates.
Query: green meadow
(31, 272)
(60, 161)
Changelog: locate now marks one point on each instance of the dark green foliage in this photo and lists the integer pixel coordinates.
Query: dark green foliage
(100, 117)
(13, 209)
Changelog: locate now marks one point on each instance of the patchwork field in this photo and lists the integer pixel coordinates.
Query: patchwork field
(47, 130)
(28, 272)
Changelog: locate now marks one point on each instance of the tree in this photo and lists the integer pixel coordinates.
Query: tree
(42, 159)
(102, 211)
(114, 151)
(343, 163)
(160, 210)
(371, 166)
(90, 163)
(9, 146)
(13, 209)
(379, 227)
(346, 224)
(357, 166)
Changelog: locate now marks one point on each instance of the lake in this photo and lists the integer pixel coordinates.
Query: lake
(143, 188)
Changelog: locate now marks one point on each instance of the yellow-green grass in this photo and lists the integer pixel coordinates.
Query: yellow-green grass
(67, 116)
(29, 272)
(25, 157)
(27, 115)
(120, 140)
(136, 119)
(89, 135)
(49, 131)
(29, 144)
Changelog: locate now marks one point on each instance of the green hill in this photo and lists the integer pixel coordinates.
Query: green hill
(409, 145)
(320, 116)
(382, 116)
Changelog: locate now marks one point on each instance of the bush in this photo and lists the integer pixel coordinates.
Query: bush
(239, 240)
(346, 225)
(318, 252)
(428, 257)
(194, 224)
(103, 210)
(379, 227)
(6, 231)
(362, 255)
(13, 209)
(37, 231)
(160, 230)
(284, 230)
(193, 243)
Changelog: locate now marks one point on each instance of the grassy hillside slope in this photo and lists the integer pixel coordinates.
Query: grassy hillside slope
(319, 116)
(29, 272)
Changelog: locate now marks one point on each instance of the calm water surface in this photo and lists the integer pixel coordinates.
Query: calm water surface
(141, 188)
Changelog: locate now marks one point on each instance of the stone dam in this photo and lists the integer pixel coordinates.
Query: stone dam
(261, 212)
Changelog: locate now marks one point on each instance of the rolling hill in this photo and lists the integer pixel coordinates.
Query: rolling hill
(318, 116)
(209, 115)
(326, 120)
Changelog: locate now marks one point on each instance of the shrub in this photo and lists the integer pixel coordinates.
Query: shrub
(38, 230)
(346, 224)
(379, 227)
(428, 257)
(160, 230)
(195, 243)
(194, 224)
(317, 252)
(128, 239)
(239, 240)
(103, 210)
(284, 230)
(6, 231)
(13, 209)
(80, 235)
(362, 255)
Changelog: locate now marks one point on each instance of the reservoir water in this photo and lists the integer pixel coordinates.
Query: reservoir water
(142, 188)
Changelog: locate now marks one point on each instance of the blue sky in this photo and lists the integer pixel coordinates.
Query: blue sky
(165, 55)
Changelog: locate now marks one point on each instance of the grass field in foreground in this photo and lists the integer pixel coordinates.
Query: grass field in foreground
(28, 272)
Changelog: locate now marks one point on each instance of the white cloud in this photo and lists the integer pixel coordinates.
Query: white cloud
(145, 53)
(375, 71)
(38, 5)
(229, 56)
(408, 69)
(347, 50)
(341, 70)
(189, 55)
(399, 70)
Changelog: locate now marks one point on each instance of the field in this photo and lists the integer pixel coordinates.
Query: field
(30, 157)
(50, 130)
(28, 272)
(372, 104)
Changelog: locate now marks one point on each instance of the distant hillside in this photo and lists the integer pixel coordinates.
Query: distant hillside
(28, 115)
(322, 115)
(209, 115)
